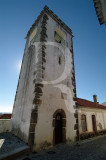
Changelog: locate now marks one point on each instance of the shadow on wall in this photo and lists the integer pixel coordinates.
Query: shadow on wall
(100, 126)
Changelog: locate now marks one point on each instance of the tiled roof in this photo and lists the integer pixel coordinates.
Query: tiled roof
(5, 116)
(54, 16)
(86, 103)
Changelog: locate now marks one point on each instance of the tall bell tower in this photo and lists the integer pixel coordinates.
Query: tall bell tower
(45, 109)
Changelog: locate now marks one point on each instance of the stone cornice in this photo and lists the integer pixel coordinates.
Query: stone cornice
(101, 13)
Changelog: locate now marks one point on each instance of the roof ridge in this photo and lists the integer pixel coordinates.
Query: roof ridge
(85, 100)
(92, 102)
(54, 16)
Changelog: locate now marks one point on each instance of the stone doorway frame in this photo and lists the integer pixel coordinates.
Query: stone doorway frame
(61, 111)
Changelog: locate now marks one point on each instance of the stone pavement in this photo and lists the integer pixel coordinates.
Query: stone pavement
(10, 145)
(92, 149)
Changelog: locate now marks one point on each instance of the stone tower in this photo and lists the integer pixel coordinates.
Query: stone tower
(45, 108)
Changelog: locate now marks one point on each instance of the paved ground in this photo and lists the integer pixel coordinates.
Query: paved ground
(9, 143)
(94, 149)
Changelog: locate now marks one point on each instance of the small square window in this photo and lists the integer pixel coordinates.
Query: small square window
(59, 59)
(59, 36)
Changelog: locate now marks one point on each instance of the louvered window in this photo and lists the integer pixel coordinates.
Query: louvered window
(58, 38)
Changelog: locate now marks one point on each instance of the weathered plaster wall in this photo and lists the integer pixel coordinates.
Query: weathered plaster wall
(5, 125)
(100, 115)
(52, 97)
(23, 104)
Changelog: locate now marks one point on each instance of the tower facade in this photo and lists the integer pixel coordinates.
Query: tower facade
(45, 109)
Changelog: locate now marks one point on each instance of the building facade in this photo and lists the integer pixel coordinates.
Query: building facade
(91, 117)
(100, 7)
(45, 109)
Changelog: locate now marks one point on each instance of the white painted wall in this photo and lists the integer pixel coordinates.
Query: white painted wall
(23, 104)
(5, 125)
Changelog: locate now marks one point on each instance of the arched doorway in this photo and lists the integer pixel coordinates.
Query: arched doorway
(59, 124)
(58, 128)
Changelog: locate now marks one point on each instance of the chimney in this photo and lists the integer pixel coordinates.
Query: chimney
(95, 99)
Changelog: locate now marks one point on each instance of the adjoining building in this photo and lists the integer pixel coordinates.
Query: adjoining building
(45, 111)
(100, 7)
(91, 117)
(6, 116)
(104, 104)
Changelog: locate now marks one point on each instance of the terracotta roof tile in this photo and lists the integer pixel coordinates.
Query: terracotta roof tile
(86, 103)
(5, 116)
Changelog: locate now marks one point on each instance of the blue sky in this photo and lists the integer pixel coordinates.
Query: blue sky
(17, 16)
